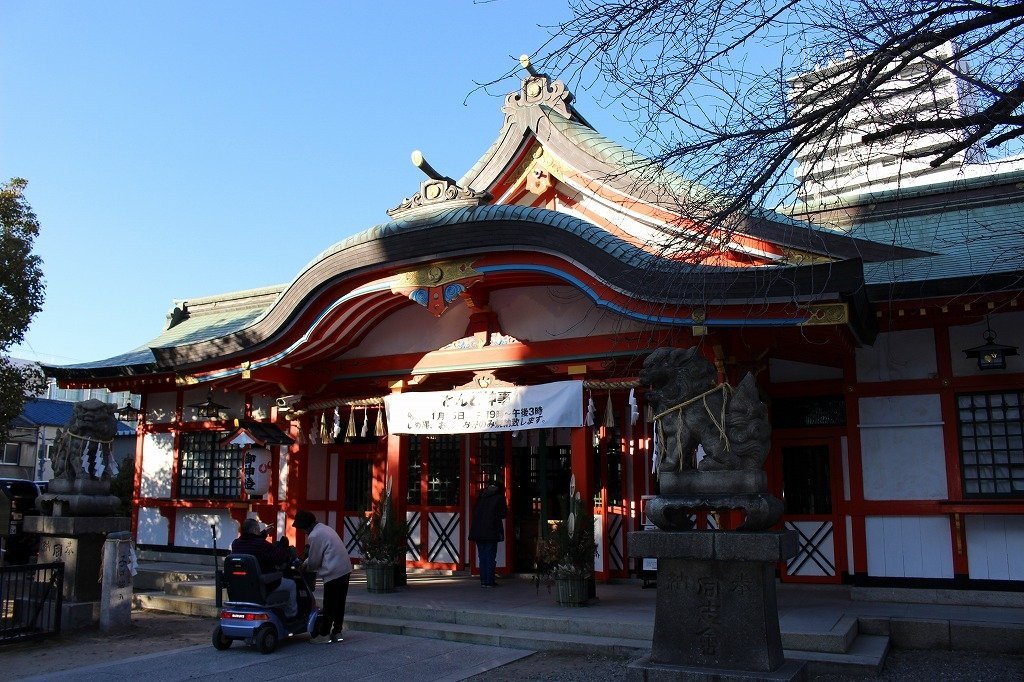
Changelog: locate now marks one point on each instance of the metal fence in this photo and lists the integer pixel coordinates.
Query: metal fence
(31, 597)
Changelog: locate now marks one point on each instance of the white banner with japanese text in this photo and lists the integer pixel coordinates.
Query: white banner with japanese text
(479, 410)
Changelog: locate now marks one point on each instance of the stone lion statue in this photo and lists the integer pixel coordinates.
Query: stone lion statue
(692, 409)
(82, 448)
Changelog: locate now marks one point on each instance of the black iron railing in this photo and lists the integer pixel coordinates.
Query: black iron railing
(31, 597)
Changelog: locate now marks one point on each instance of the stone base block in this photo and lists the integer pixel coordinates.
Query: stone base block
(68, 526)
(644, 670)
(716, 606)
(79, 614)
(78, 542)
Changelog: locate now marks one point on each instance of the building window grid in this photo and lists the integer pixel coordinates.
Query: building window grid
(491, 460)
(412, 496)
(808, 412)
(991, 429)
(208, 469)
(11, 454)
(443, 471)
(358, 475)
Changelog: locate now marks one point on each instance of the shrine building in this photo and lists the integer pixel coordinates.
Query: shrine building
(495, 327)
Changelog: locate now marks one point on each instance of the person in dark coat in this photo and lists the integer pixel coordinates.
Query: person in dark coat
(270, 556)
(488, 529)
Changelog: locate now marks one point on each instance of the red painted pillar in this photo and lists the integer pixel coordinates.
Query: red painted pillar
(582, 462)
(397, 466)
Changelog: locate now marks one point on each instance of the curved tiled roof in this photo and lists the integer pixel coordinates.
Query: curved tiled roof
(516, 229)
(639, 176)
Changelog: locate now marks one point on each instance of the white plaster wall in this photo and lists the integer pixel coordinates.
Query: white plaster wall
(898, 356)
(902, 451)
(334, 461)
(157, 460)
(152, 527)
(600, 560)
(995, 547)
(192, 528)
(1009, 329)
(160, 407)
(316, 479)
(909, 546)
(413, 329)
(784, 371)
(545, 313)
(849, 546)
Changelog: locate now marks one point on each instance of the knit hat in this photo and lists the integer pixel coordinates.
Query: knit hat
(304, 520)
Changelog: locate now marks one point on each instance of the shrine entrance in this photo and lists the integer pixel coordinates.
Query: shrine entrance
(447, 471)
(811, 492)
(540, 494)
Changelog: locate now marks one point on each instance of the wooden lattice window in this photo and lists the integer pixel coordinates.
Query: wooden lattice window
(491, 460)
(415, 455)
(208, 469)
(806, 412)
(358, 474)
(991, 443)
(443, 455)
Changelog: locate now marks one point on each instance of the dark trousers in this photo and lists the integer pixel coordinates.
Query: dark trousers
(488, 553)
(333, 613)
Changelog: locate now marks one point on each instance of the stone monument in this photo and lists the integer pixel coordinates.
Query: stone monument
(716, 615)
(119, 567)
(77, 509)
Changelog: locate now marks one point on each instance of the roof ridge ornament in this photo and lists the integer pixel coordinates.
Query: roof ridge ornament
(437, 192)
(537, 89)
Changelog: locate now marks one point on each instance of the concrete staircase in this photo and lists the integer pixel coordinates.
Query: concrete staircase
(841, 651)
(190, 590)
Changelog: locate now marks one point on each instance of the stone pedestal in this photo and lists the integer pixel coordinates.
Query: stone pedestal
(716, 614)
(78, 542)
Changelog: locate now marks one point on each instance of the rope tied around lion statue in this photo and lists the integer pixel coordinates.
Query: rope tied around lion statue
(693, 409)
(82, 448)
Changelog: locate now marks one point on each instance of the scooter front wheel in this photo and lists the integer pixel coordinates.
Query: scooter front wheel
(266, 639)
(220, 640)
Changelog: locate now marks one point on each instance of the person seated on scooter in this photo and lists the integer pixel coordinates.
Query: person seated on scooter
(253, 540)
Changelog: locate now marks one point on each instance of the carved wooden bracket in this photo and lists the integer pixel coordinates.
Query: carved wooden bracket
(436, 286)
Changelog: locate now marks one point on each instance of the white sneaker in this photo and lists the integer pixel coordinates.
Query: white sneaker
(319, 639)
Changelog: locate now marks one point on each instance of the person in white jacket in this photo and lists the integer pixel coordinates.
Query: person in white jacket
(327, 556)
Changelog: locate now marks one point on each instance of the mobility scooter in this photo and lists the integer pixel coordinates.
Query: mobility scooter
(256, 616)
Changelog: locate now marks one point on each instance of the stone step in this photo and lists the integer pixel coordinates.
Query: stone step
(170, 603)
(199, 559)
(158, 579)
(502, 620)
(865, 655)
(197, 589)
(941, 633)
(838, 640)
(496, 636)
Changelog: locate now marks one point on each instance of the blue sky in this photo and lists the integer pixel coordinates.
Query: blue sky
(183, 149)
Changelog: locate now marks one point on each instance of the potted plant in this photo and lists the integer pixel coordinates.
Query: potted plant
(382, 539)
(568, 553)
